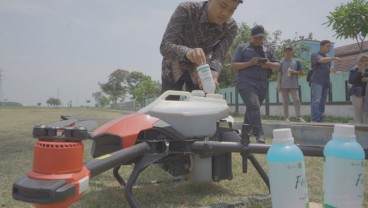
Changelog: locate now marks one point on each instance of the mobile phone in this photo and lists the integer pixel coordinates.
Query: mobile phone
(262, 60)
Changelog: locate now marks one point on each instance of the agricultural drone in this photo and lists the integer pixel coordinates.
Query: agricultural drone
(189, 137)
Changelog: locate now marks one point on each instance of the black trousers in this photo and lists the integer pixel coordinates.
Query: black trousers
(253, 98)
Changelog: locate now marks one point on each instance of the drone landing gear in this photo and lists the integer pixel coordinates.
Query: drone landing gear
(141, 164)
(117, 176)
(256, 165)
(245, 153)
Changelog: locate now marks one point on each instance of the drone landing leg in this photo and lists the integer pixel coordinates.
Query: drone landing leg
(117, 176)
(259, 169)
(245, 156)
(141, 164)
(245, 140)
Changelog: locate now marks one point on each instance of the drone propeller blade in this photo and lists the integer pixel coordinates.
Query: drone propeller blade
(63, 123)
(84, 118)
(90, 125)
(70, 121)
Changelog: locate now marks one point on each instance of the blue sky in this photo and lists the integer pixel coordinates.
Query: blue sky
(63, 48)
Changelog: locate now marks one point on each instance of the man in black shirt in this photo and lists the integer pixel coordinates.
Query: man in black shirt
(253, 62)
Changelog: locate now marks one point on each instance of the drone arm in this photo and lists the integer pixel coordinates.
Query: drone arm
(218, 147)
(109, 161)
(214, 146)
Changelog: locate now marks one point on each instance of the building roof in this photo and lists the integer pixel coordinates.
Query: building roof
(348, 55)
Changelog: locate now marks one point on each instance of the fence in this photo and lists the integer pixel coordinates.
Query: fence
(338, 100)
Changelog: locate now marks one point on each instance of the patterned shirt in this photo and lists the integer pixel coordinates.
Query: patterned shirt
(189, 28)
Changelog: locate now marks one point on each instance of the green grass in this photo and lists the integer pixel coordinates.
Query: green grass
(16, 142)
(16, 151)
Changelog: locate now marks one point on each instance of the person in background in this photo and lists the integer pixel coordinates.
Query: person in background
(320, 79)
(254, 63)
(358, 77)
(287, 83)
(197, 33)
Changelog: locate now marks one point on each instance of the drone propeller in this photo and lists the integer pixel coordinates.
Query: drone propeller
(82, 118)
(63, 123)
(89, 123)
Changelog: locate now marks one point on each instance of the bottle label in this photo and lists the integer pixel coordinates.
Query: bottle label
(288, 185)
(343, 182)
(205, 75)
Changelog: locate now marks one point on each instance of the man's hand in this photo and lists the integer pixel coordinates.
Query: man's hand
(333, 69)
(253, 61)
(266, 65)
(196, 56)
(278, 88)
(274, 66)
(215, 77)
(364, 79)
(335, 59)
(294, 72)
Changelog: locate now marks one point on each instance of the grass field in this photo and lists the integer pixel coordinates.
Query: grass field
(16, 151)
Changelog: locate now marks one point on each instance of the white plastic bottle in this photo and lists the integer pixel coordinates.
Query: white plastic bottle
(286, 172)
(205, 75)
(343, 177)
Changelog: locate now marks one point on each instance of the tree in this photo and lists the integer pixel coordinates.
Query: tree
(100, 99)
(9, 103)
(104, 101)
(300, 51)
(39, 104)
(134, 78)
(350, 21)
(227, 77)
(276, 43)
(53, 102)
(146, 89)
(302, 37)
(116, 87)
(88, 101)
(97, 96)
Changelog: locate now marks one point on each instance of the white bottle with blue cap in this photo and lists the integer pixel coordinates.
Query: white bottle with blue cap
(343, 177)
(286, 172)
(205, 74)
